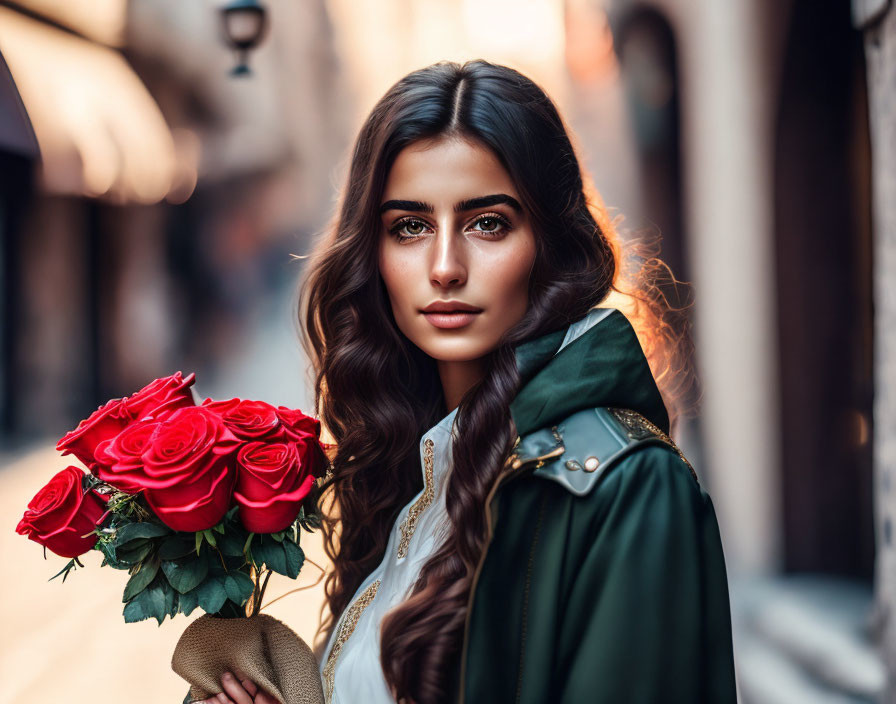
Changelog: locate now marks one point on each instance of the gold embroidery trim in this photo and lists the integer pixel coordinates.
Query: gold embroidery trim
(637, 426)
(345, 630)
(409, 524)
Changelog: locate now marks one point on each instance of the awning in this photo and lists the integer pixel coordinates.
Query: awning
(99, 130)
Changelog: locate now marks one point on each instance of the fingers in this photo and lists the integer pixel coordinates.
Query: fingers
(239, 691)
(216, 699)
(259, 695)
(234, 690)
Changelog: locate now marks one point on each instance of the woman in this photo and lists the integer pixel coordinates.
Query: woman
(516, 524)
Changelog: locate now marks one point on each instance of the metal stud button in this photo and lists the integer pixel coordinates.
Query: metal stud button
(573, 464)
(591, 463)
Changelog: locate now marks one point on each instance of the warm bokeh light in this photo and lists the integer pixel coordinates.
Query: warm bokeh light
(511, 28)
(590, 56)
(100, 20)
(527, 36)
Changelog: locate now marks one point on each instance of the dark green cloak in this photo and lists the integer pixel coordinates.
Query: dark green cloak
(615, 593)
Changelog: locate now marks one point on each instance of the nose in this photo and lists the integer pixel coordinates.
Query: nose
(448, 266)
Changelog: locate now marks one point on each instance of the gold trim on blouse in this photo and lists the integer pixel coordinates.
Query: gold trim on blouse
(345, 630)
(409, 525)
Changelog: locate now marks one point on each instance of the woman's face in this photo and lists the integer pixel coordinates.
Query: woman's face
(453, 230)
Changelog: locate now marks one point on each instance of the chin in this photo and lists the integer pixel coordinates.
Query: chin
(457, 351)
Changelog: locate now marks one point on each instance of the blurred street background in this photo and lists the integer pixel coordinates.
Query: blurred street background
(155, 206)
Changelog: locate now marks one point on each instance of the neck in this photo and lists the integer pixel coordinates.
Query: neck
(458, 378)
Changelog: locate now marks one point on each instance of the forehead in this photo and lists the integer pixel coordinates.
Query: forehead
(446, 170)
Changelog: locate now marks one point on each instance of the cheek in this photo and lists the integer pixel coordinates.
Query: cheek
(393, 269)
(509, 277)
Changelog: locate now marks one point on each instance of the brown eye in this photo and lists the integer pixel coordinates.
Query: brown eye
(492, 223)
(413, 227)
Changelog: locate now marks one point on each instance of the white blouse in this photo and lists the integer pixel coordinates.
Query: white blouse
(350, 666)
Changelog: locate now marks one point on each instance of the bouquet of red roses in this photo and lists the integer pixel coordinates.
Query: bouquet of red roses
(199, 503)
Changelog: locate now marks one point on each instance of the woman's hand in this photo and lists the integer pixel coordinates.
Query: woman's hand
(237, 691)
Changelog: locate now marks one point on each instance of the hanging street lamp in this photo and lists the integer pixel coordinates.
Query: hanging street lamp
(244, 24)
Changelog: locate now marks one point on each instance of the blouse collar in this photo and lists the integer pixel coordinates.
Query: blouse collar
(441, 436)
(442, 429)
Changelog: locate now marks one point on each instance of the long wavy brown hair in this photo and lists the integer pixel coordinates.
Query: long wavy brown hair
(377, 393)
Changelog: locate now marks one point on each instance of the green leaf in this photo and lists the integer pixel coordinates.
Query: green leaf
(186, 603)
(277, 536)
(198, 541)
(108, 550)
(271, 554)
(231, 545)
(143, 529)
(219, 528)
(175, 546)
(64, 571)
(239, 587)
(130, 545)
(210, 595)
(149, 603)
(185, 574)
(172, 601)
(248, 540)
(295, 558)
(210, 536)
(133, 556)
(141, 579)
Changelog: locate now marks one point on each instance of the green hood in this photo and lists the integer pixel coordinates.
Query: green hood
(604, 366)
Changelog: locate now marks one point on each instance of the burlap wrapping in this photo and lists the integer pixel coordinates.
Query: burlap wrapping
(258, 647)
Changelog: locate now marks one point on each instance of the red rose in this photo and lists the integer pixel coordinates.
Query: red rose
(296, 425)
(103, 424)
(189, 469)
(62, 513)
(249, 420)
(120, 461)
(161, 396)
(305, 430)
(273, 480)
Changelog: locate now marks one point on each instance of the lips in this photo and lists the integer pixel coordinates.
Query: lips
(455, 311)
(451, 319)
(450, 307)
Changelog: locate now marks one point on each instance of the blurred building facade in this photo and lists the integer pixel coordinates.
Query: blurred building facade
(877, 21)
(756, 116)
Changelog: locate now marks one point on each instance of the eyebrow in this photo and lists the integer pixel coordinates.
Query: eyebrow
(464, 205)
